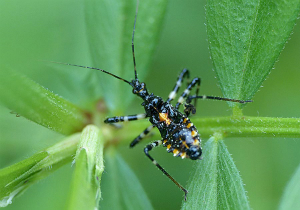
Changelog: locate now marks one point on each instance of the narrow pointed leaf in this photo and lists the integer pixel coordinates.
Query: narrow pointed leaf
(291, 195)
(245, 40)
(121, 188)
(109, 30)
(34, 102)
(18, 177)
(85, 190)
(216, 183)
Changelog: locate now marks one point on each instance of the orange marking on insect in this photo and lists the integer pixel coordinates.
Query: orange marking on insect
(165, 141)
(196, 142)
(183, 155)
(168, 146)
(194, 133)
(189, 125)
(175, 152)
(164, 117)
(185, 119)
(184, 143)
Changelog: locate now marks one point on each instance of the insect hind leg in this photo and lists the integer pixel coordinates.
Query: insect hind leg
(148, 148)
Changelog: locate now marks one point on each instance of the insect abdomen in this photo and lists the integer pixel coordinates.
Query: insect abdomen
(183, 140)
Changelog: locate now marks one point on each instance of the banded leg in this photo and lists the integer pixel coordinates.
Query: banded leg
(188, 90)
(190, 98)
(141, 136)
(182, 75)
(148, 148)
(197, 92)
(188, 107)
(125, 118)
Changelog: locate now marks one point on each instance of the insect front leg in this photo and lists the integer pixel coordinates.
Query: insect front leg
(182, 75)
(148, 148)
(124, 118)
(141, 136)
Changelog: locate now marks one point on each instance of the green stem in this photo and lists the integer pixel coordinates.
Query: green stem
(249, 126)
(242, 126)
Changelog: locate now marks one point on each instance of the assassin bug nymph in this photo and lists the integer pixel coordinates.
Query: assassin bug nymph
(177, 132)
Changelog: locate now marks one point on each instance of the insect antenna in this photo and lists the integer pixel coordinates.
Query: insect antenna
(132, 41)
(87, 67)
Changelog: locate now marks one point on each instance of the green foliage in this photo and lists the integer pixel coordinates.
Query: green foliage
(216, 182)
(34, 102)
(18, 177)
(245, 40)
(85, 190)
(291, 195)
(109, 25)
(122, 189)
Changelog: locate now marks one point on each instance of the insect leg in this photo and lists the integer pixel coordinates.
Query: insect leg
(197, 92)
(141, 136)
(182, 75)
(188, 90)
(148, 148)
(190, 98)
(124, 118)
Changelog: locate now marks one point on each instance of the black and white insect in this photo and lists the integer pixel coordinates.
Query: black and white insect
(178, 133)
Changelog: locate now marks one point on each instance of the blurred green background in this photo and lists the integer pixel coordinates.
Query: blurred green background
(31, 31)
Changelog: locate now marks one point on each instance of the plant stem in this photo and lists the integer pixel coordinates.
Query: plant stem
(242, 126)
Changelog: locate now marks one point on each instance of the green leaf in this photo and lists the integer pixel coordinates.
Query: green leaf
(18, 177)
(34, 102)
(121, 188)
(109, 29)
(245, 40)
(85, 190)
(216, 183)
(291, 195)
